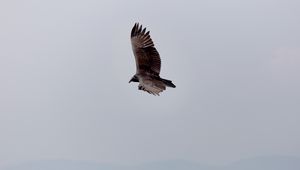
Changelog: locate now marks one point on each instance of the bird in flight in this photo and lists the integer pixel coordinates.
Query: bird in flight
(148, 62)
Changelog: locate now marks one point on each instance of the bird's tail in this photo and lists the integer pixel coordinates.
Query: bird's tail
(168, 83)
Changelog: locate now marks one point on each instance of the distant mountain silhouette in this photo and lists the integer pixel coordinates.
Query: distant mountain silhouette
(173, 165)
(266, 163)
(62, 165)
(258, 163)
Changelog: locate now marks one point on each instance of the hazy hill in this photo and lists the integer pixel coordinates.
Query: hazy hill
(259, 163)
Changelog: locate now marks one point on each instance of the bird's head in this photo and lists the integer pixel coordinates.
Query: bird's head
(134, 79)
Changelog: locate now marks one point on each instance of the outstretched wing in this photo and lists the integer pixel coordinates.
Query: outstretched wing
(146, 56)
(151, 85)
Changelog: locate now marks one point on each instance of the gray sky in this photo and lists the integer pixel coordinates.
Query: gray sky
(65, 67)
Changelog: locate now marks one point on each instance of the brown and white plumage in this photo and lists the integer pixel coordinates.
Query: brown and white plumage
(148, 62)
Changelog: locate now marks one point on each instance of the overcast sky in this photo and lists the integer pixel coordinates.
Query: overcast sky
(65, 67)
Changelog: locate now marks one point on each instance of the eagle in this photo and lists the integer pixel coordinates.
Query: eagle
(147, 61)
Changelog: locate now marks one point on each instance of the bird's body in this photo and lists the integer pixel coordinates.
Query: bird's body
(148, 62)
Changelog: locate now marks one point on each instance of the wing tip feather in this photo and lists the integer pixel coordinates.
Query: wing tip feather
(138, 29)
